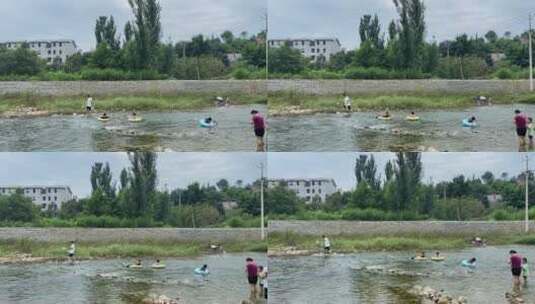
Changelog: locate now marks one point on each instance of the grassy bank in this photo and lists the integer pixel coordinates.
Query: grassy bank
(76, 104)
(348, 244)
(283, 103)
(92, 250)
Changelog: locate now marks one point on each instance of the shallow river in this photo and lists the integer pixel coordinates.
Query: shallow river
(173, 131)
(439, 130)
(345, 279)
(109, 282)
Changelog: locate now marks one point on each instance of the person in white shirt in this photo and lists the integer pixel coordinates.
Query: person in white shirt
(89, 103)
(347, 103)
(71, 252)
(326, 244)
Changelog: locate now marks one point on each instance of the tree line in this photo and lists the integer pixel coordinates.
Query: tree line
(397, 192)
(138, 52)
(402, 51)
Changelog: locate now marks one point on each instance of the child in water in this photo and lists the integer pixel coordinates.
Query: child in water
(525, 269)
(531, 131)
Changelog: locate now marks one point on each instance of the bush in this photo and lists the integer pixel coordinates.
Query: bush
(367, 73)
(117, 75)
(504, 73)
(241, 73)
(91, 221)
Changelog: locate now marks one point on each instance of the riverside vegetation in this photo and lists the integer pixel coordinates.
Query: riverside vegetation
(405, 53)
(75, 104)
(296, 103)
(140, 54)
(400, 195)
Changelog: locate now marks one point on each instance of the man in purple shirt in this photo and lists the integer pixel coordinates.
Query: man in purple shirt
(259, 125)
(521, 123)
(515, 260)
(252, 276)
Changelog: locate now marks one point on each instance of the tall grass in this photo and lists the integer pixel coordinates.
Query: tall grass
(154, 102)
(123, 249)
(278, 102)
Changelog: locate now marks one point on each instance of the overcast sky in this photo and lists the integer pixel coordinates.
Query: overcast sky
(445, 18)
(174, 169)
(181, 19)
(437, 166)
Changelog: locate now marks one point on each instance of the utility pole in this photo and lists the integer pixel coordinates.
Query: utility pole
(530, 55)
(262, 233)
(267, 47)
(526, 219)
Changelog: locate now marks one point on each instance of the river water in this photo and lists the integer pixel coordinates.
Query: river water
(107, 281)
(386, 277)
(160, 131)
(437, 130)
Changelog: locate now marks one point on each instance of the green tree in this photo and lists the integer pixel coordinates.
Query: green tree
(286, 60)
(17, 208)
(143, 182)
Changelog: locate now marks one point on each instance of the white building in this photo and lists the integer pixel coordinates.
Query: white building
(307, 188)
(47, 49)
(311, 48)
(45, 197)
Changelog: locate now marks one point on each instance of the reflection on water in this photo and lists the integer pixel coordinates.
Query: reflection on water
(387, 277)
(437, 130)
(174, 131)
(109, 282)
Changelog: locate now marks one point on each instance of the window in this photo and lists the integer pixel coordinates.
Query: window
(319, 183)
(49, 190)
(61, 44)
(55, 190)
(313, 50)
(44, 198)
(54, 52)
(313, 57)
(319, 191)
(39, 44)
(49, 198)
(49, 52)
(308, 198)
(313, 190)
(60, 52)
(312, 43)
(43, 206)
(308, 191)
(324, 42)
(33, 190)
(325, 50)
(55, 198)
(54, 44)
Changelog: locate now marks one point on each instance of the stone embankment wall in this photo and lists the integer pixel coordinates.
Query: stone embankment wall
(397, 228)
(128, 235)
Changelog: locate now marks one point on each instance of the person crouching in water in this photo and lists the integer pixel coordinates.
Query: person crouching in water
(259, 130)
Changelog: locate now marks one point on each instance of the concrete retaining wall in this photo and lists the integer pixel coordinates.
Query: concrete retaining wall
(161, 87)
(396, 228)
(128, 235)
(355, 87)
(261, 87)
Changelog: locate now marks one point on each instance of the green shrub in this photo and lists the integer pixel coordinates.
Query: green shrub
(504, 73)
(241, 73)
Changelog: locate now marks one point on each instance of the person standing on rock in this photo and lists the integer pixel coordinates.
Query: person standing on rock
(326, 245)
(347, 103)
(515, 261)
(71, 252)
(259, 130)
(89, 104)
(252, 277)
